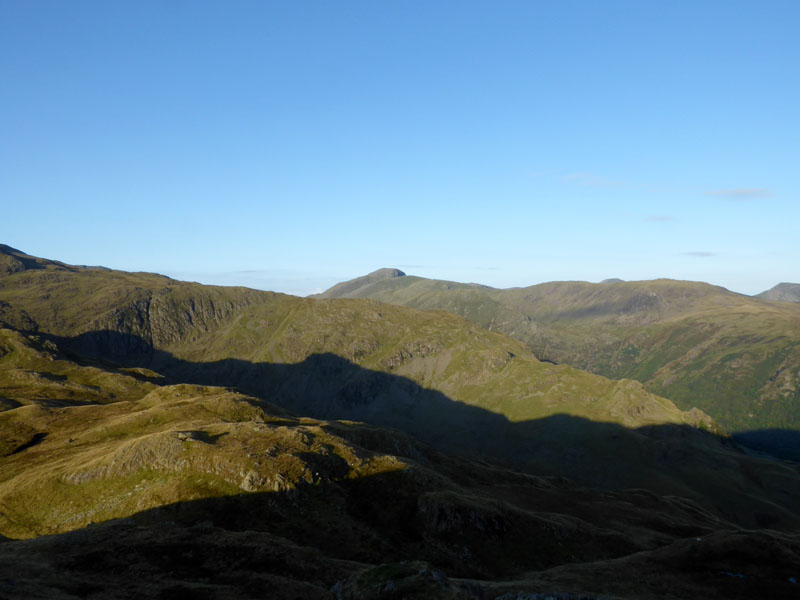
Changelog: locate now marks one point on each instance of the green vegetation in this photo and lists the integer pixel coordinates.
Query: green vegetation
(430, 373)
(240, 337)
(199, 478)
(735, 357)
(150, 428)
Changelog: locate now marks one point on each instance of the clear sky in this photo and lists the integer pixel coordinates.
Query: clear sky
(290, 145)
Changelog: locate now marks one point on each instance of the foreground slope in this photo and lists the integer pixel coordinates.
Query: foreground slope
(216, 495)
(166, 491)
(735, 357)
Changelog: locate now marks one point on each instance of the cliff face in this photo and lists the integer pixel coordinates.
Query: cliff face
(116, 407)
(146, 320)
(432, 374)
(101, 312)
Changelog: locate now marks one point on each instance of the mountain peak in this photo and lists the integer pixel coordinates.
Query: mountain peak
(6, 249)
(386, 273)
(785, 292)
(13, 261)
(351, 288)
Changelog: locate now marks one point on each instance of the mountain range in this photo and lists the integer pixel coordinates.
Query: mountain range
(735, 357)
(171, 439)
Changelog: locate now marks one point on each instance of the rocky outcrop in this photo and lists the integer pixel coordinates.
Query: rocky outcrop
(783, 292)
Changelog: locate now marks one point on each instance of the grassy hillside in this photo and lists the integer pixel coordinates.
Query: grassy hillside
(206, 493)
(192, 331)
(130, 466)
(432, 374)
(735, 357)
(186, 490)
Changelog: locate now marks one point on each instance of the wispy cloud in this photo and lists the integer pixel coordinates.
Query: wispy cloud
(700, 254)
(660, 218)
(590, 180)
(742, 194)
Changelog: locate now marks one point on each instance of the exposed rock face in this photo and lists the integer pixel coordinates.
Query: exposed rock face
(205, 492)
(784, 292)
(16, 318)
(149, 319)
(386, 273)
(215, 495)
(434, 375)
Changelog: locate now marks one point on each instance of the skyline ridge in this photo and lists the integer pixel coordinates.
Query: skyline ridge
(298, 146)
(380, 270)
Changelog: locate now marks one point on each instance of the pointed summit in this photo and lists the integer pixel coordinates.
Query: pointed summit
(350, 288)
(385, 273)
(784, 292)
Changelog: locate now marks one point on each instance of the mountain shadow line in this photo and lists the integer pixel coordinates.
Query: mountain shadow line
(667, 459)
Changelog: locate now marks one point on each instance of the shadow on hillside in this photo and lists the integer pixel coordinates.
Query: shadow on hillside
(666, 459)
(305, 541)
(640, 302)
(36, 439)
(281, 545)
(780, 443)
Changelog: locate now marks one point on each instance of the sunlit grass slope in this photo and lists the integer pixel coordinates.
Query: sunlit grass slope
(734, 356)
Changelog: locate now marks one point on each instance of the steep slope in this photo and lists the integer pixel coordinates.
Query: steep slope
(14, 261)
(108, 416)
(735, 357)
(348, 288)
(451, 383)
(34, 371)
(187, 330)
(204, 492)
(783, 292)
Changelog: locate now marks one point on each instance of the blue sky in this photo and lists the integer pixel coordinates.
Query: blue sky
(291, 145)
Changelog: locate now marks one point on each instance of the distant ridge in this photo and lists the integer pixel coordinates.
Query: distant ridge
(432, 374)
(613, 280)
(347, 288)
(14, 261)
(784, 292)
(683, 340)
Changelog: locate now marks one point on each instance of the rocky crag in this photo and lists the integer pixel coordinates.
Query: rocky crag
(167, 439)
